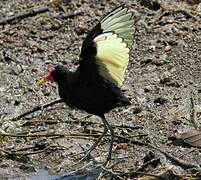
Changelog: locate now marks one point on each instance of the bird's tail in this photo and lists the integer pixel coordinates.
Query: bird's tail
(124, 101)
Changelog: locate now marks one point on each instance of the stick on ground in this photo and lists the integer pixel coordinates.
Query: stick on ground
(38, 108)
(22, 15)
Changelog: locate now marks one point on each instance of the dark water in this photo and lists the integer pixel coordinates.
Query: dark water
(89, 174)
(43, 175)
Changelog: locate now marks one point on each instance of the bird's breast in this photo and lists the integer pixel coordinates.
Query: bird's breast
(67, 95)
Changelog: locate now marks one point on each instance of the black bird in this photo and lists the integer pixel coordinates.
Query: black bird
(95, 86)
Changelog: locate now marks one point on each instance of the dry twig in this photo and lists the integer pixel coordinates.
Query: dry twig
(38, 108)
(193, 110)
(22, 15)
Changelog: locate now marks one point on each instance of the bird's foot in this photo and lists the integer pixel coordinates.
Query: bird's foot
(87, 156)
(106, 163)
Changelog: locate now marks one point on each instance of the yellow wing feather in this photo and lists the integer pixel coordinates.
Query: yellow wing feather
(114, 44)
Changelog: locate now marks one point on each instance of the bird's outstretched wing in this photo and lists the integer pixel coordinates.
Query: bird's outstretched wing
(105, 50)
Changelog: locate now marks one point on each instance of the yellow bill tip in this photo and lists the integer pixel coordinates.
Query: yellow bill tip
(41, 81)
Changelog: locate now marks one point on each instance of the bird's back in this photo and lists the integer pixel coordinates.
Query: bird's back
(97, 96)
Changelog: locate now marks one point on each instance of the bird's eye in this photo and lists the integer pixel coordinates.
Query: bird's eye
(51, 69)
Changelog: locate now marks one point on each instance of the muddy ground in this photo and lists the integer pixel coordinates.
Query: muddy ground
(163, 80)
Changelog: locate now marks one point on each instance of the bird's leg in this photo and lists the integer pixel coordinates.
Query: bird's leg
(95, 144)
(106, 127)
(98, 140)
(111, 142)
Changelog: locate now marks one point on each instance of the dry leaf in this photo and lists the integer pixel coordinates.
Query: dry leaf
(192, 137)
(56, 3)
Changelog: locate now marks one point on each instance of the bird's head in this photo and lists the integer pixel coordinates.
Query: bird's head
(55, 74)
(49, 77)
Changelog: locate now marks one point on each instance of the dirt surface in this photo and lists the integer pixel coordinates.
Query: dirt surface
(163, 80)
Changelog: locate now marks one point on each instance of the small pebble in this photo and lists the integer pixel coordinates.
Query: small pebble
(148, 89)
(165, 78)
(152, 48)
(160, 100)
(168, 48)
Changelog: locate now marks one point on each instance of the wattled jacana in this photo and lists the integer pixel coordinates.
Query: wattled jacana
(95, 86)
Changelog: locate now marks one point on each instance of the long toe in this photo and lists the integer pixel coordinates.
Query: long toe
(88, 156)
(107, 162)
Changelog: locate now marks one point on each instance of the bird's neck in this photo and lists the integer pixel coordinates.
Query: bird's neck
(68, 78)
(67, 87)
